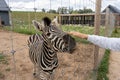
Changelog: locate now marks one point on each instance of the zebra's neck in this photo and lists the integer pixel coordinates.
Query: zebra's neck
(48, 58)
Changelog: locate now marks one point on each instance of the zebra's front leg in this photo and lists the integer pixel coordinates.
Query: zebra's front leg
(52, 74)
(51, 77)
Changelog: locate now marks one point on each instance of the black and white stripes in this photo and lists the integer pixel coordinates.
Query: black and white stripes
(43, 47)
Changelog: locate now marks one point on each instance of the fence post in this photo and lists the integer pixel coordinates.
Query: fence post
(29, 22)
(110, 22)
(96, 32)
(0, 22)
(107, 21)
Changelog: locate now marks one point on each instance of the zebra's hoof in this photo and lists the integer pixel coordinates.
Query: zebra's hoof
(34, 74)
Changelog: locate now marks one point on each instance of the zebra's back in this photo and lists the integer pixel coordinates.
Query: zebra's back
(35, 43)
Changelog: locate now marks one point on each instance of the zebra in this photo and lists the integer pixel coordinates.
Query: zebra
(43, 47)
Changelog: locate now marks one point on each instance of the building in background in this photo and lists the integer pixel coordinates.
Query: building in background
(88, 18)
(116, 13)
(4, 13)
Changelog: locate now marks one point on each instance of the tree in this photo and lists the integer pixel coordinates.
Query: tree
(85, 10)
(70, 10)
(75, 12)
(43, 10)
(62, 10)
(52, 11)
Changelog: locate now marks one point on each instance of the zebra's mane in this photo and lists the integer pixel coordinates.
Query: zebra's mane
(47, 21)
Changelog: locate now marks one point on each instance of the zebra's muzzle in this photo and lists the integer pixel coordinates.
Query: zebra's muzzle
(70, 43)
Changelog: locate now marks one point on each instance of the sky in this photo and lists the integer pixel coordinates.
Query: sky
(29, 5)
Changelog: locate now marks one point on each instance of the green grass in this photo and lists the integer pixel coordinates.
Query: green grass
(114, 34)
(2, 75)
(22, 21)
(22, 30)
(7, 69)
(85, 29)
(3, 59)
(103, 68)
(30, 30)
(20, 17)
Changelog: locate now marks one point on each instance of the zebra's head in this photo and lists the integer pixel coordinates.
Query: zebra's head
(60, 40)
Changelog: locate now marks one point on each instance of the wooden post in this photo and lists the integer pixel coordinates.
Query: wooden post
(29, 21)
(117, 21)
(107, 21)
(59, 19)
(96, 32)
(0, 22)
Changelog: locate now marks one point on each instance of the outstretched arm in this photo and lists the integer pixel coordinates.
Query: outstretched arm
(80, 35)
(104, 42)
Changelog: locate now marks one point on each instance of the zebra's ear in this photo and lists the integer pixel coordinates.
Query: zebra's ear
(55, 22)
(37, 25)
(46, 21)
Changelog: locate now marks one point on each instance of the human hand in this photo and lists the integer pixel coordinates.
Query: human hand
(78, 34)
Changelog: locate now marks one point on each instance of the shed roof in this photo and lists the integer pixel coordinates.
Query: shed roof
(112, 9)
(4, 6)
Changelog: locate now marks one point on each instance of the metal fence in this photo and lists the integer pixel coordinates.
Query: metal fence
(76, 66)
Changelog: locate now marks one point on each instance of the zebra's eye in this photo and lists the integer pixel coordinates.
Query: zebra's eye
(48, 34)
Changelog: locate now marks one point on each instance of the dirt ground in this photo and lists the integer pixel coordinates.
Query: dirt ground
(76, 66)
(114, 66)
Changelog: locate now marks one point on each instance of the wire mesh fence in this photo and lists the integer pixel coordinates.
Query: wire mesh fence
(76, 66)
